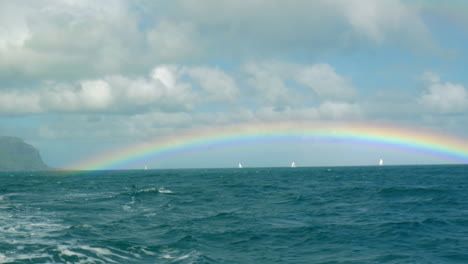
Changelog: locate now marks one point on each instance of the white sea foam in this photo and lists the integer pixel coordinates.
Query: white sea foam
(28, 257)
(82, 253)
(146, 252)
(164, 190)
(66, 250)
(167, 256)
(4, 259)
(183, 257)
(26, 227)
(104, 253)
(192, 254)
(168, 253)
(147, 190)
(127, 208)
(176, 256)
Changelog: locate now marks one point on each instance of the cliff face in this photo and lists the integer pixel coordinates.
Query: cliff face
(16, 155)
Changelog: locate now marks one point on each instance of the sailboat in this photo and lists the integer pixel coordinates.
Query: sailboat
(293, 165)
(381, 162)
(240, 166)
(146, 167)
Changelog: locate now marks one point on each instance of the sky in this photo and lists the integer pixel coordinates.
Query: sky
(79, 78)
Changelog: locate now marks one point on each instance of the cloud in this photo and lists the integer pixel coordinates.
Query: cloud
(168, 88)
(89, 95)
(66, 38)
(19, 103)
(268, 83)
(283, 87)
(218, 85)
(443, 97)
(113, 94)
(339, 111)
(151, 124)
(75, 40)
(325, 82)
(386, 20)
(302, 26)
(129, 70)
(173, 41)
(290, 84)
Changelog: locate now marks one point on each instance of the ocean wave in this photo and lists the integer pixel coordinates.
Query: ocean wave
(191, 216)
(414, 191)
(164, 190)
(141, 192)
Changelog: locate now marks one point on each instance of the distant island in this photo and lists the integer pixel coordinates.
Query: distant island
(16, 155)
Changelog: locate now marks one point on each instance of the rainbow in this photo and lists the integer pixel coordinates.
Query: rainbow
(452, 148)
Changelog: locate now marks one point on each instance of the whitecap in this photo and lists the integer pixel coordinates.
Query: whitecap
(147, 190)
(127, 208)
(183, 257)
(103, 252)
(149, 253)
(67, 251)
(186, 256)
(168, 253)
(64, 250)
(163, 190)
(28, 257)
(4, 259)
(167, 256)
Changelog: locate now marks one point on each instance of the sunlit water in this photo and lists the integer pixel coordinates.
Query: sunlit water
(389, 214)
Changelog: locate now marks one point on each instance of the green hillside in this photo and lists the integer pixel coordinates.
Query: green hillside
(16, 155)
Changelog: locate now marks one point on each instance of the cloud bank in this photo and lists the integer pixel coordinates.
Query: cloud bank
(86, 70)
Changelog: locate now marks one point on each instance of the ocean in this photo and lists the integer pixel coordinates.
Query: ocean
(387, 214)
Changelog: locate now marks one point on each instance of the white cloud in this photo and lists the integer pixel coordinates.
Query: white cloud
(268, 82)
(218, 85)
(113, 94)
(89, 39)
(289, 84)
(88, 95)
(270, 114)
(167, 88)
(96, 94)
(444, 97)
(339, 110)
(166, 75)
(19, 103)
(302, 25)
(14, 30)
(282, 91)
(155, 123)
(139, 91)
(172, 41)
(325, 82)
(65, 38)
(385, 19)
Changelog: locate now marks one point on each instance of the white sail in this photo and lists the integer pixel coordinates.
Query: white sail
(381, 162)
(293, 165)
(146, 167)
(240, 166)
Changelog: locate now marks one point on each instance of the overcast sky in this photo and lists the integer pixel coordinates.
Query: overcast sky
(82, 77)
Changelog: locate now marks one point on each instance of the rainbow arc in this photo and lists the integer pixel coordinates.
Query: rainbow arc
(448, 147)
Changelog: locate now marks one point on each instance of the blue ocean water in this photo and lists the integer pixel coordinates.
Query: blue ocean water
(389, 214)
